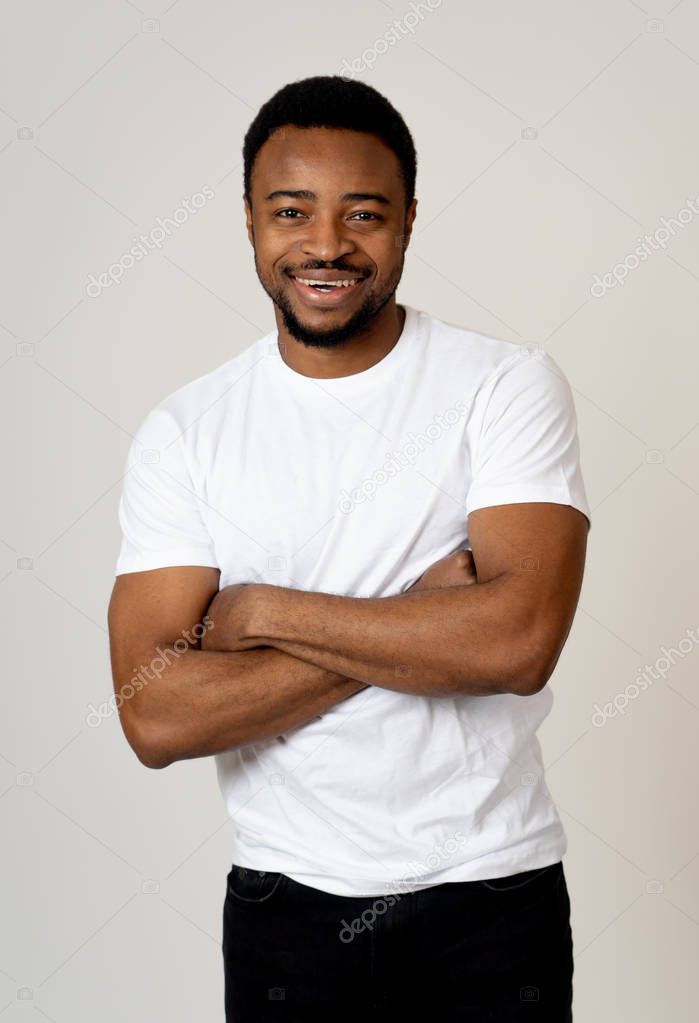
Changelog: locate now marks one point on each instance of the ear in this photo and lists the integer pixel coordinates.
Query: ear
(409, 219)
(248, 221)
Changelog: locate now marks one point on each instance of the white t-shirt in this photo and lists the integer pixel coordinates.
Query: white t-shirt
(355, 485)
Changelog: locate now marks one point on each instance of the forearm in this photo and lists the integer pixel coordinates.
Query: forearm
(441, 642)
(205, 702)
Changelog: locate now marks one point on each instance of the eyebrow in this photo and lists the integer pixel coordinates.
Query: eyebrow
(303, 193)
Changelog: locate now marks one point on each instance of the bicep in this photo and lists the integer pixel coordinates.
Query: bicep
(537, 550)
(154, 609)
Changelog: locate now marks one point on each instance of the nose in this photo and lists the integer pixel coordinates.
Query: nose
(326, 238)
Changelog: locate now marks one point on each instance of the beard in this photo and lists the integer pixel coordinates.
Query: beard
(331, 337)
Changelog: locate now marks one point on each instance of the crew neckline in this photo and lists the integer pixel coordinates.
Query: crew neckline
(353, 383)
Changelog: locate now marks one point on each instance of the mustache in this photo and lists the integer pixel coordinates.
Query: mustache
(339, 269)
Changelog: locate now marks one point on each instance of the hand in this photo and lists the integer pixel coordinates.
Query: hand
(455, 569)
(230, 611)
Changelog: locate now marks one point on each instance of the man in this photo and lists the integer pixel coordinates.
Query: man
(356, 550)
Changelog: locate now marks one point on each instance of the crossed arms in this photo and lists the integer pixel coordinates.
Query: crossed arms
(271, 658)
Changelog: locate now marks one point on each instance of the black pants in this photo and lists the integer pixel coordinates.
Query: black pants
(475, 951)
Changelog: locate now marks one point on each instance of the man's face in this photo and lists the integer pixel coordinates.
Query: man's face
(346, 222)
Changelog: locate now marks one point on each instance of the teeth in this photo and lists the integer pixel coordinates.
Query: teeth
(328, 284)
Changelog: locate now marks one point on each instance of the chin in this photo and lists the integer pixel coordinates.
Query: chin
(342, 331)
(314, 338)
(331, 336)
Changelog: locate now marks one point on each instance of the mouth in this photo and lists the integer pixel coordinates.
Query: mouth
(320, 289)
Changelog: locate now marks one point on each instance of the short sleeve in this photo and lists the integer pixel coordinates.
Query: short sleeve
(526, 445)
(159, 512)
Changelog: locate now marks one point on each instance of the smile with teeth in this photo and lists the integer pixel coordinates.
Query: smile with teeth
(311, 283)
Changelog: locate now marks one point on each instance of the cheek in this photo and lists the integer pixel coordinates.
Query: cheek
(387, 271)
(271, 260)
(388, 255)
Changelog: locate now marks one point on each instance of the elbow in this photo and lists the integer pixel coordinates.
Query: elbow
(536, 666)
(146, 741)
(519, 669)
(529, 684)
(153, 757)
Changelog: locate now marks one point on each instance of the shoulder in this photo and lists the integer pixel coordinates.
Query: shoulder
(485, 361)
(206, 398)
(480, 348)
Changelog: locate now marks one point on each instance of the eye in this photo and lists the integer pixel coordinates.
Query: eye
(294, 214)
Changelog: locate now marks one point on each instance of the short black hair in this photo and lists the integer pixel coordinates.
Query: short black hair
(331, 101)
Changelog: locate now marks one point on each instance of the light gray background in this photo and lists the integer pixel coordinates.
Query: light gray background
(551, 136)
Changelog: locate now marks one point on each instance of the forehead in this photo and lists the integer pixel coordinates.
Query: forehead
(294, 157)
